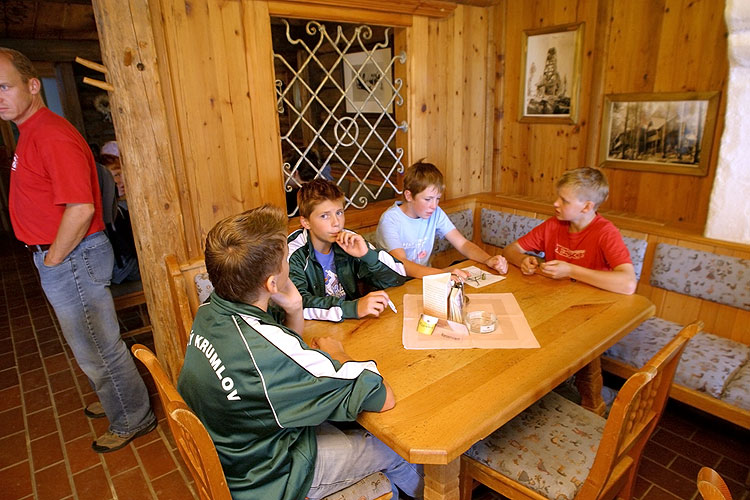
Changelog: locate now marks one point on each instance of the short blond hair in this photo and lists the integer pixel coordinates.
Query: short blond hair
(590, 184)
(243, 250)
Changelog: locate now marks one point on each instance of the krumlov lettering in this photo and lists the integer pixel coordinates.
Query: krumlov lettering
(227, 383)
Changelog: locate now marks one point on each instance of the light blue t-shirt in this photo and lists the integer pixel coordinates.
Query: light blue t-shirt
(332, 284)
(415, 236)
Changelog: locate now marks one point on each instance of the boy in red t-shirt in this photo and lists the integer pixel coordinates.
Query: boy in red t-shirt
(577, 242)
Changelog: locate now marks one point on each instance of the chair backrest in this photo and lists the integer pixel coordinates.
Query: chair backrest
(633, 418)
(181, 278)
(192, 438)
(711, 486)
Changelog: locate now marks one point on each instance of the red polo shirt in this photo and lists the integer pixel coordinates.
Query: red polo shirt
(52, 166)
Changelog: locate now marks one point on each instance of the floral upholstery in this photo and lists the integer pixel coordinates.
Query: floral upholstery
(464, 222)
(718, 278)
(637, 249)
(708, 363)
(737, 392)
(549, 448)
(503, 228)
(372, 486)
(203, 286)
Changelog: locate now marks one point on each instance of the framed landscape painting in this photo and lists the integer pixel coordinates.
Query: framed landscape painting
(659, 132)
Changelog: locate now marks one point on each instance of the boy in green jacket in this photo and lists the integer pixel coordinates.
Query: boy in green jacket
(328, 264)
(262, 393)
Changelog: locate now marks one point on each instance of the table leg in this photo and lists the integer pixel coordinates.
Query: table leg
(589, 383)
(441, 481)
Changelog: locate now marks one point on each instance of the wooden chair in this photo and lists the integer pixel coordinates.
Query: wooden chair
(516, 471)
(130, 294)
(184, 297)
(191, 436)
(711, 486)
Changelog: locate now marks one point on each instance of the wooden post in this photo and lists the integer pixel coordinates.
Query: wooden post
(139, 115)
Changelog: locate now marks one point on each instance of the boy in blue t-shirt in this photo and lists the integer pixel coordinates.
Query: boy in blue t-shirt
(331, 265)
(407, 229)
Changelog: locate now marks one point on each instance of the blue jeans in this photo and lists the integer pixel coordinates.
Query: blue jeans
(78, 289)
(346, 456)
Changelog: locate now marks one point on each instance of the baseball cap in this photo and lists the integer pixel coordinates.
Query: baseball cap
(110, 148)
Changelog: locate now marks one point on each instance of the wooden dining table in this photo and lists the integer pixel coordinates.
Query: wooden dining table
(448, 399)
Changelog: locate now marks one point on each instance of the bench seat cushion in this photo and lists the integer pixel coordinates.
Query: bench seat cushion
(503, 228)
(718, 278)
(737, 392)
(549, 448)
(464, 222)
(203, 286)
(707, 365)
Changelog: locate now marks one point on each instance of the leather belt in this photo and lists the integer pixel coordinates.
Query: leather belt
(37, 248)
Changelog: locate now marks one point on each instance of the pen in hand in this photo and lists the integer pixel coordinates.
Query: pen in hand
(393, 307)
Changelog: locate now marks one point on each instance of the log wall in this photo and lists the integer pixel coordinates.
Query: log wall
(629, 47)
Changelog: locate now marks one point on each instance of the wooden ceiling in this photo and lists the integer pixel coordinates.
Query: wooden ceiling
(47, 20)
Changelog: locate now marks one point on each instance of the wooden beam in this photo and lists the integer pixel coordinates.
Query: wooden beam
(54, 50)
(139, 115)
(66, 83)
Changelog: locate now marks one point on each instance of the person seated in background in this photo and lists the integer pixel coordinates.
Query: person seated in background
(118, 227)
(262, 393)
(334, 268)
(308, 168)
(577, 242)
(407, 229)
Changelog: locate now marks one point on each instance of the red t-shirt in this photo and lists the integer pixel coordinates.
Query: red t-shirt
(52, 166)
(599, 246)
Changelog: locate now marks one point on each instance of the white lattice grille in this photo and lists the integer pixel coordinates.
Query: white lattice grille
(335, 96)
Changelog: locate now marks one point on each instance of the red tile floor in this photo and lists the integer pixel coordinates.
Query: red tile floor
(45, 438)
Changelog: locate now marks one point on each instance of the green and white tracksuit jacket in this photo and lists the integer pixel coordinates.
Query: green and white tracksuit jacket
(377, 269)
(260, 391)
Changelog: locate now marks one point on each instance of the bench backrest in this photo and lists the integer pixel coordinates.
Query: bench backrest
(706, 275)
(184, 294)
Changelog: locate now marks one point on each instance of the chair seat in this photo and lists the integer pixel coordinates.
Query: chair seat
(548, 448)
(371, 487)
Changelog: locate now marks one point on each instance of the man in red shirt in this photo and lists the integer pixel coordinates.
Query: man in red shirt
(55, 208)
(577, 242)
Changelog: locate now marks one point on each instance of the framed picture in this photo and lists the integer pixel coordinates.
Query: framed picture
(368, 76)
(551, 69)
(662, 132)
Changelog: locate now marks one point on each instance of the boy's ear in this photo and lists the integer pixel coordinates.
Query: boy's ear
(588, 206)
(407, 195)
(304, 222)
(271, 284)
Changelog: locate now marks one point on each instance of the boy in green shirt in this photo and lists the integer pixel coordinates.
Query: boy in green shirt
(263, 394)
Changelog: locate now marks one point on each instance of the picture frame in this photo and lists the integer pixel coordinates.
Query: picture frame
(659, 132)
(551, 67)
(367, 74)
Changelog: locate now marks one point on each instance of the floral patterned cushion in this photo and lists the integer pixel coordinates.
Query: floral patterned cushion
(718, 278)
(637, 249)
(737, 392)
(708, 363)
(372, 486)
(203, 286)
(502, 228)
(464, 222)
(549, 448)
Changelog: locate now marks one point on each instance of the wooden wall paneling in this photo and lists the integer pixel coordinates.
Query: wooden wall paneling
(139, 116)
(498, 27)
(455, 104)
(440, 67)
(307, 10)
(171, 93)
(263, 104)
(418, 100)
(740, 330)
(476, 86)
